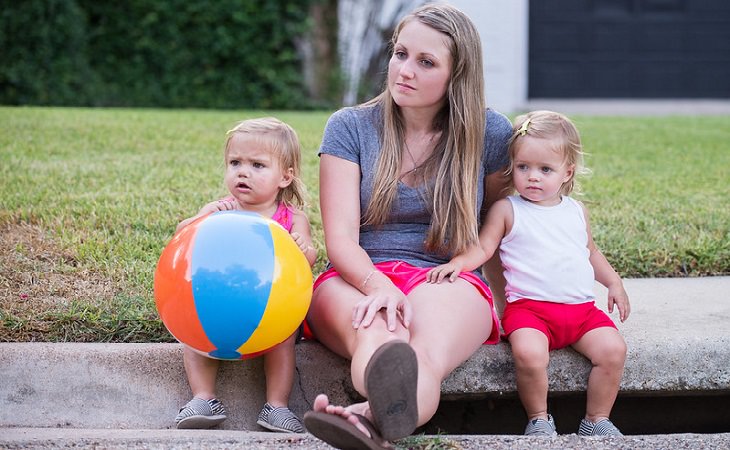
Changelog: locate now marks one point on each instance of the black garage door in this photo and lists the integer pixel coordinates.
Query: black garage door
(629, 48)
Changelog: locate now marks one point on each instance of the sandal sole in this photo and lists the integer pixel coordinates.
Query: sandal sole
(391, 379)
(339, 433)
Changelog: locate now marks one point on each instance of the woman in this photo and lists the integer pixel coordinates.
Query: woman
(403, 180)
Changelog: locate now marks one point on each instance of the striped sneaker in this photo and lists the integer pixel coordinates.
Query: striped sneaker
(199, 413)
(280, 419)
(541, 427)
(603, 427)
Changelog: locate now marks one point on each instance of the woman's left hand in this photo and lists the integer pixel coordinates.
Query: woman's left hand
(396, 305)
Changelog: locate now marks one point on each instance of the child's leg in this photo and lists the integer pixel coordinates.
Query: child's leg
(279, 366)
(606, 350)
(204, 410)
(202, 373)
(531, 355)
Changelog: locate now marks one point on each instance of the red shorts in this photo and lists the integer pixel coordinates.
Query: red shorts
(563, 324)
(406, 277)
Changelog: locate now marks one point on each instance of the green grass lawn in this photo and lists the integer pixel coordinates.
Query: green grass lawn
(89, 198)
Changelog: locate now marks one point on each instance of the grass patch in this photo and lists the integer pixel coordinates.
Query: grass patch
(89, 198)
(421, 442)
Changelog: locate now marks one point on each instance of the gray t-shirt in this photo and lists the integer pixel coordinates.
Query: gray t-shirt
(353, 134)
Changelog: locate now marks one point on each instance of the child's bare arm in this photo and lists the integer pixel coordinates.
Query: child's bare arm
(607, 276)
(495, 226)
(301, 232)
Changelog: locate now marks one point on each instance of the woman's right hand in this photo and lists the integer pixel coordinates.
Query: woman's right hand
(388, 297)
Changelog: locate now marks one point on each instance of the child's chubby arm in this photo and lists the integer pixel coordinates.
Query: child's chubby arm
(497, 224)
(301, 232)
(225, 204)
(607, 276)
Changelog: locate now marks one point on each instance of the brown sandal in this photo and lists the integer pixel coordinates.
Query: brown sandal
(391, 379)
(340, 433)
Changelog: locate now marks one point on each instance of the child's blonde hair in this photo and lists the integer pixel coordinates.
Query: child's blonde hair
(283, 142)
(560, 133)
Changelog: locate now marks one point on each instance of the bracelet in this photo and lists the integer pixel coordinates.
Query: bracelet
(367, 278)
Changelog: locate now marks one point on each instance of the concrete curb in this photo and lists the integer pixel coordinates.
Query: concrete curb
(678, 338)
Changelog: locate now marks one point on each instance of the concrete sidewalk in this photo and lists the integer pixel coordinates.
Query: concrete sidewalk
(51, 394)
(23, 438)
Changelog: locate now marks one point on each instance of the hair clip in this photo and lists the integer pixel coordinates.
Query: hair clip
(523, 129)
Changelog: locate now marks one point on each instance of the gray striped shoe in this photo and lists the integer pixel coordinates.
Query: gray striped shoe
(603, 427)
(541, 427)
(280, 419)
(199, 413)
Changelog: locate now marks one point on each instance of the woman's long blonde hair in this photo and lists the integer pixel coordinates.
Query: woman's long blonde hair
(283, 142)
(453, 168)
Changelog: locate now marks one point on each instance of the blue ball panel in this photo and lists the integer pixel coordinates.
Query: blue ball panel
(231, 278)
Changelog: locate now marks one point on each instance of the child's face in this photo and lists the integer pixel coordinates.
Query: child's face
(539, 171)
(253, 175)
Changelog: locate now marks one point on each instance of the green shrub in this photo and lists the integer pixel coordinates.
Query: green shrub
(210, 54)
(43, 49)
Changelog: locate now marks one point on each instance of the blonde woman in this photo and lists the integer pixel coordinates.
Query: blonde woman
(404, 179)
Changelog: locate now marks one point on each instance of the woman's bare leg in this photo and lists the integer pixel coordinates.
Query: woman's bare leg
(330, 317)
(450, 322)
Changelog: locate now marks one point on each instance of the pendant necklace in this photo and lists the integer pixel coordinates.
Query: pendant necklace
(413, 160)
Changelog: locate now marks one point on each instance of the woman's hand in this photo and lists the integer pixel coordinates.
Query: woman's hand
(396, 305)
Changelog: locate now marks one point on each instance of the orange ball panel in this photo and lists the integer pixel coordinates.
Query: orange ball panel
(175, 301)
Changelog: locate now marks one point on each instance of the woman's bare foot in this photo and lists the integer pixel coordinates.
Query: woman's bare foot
(322, 404)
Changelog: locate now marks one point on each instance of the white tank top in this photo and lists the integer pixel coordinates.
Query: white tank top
(545, 255)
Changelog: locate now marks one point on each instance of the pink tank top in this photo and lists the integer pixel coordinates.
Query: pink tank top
(283, 215)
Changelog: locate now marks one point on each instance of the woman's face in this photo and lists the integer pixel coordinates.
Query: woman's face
(420, 68)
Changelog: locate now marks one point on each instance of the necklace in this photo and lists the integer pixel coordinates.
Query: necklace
(416, 166)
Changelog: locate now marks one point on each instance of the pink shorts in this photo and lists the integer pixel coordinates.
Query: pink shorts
(406, 277)
(563, 324)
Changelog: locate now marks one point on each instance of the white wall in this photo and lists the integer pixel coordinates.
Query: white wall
(503, 27)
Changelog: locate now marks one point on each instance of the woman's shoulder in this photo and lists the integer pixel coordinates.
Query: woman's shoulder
(497, 124)
(356, 114)
(497, 133)
(349, 129)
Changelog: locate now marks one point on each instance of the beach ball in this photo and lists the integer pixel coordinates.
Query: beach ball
(232, 285)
